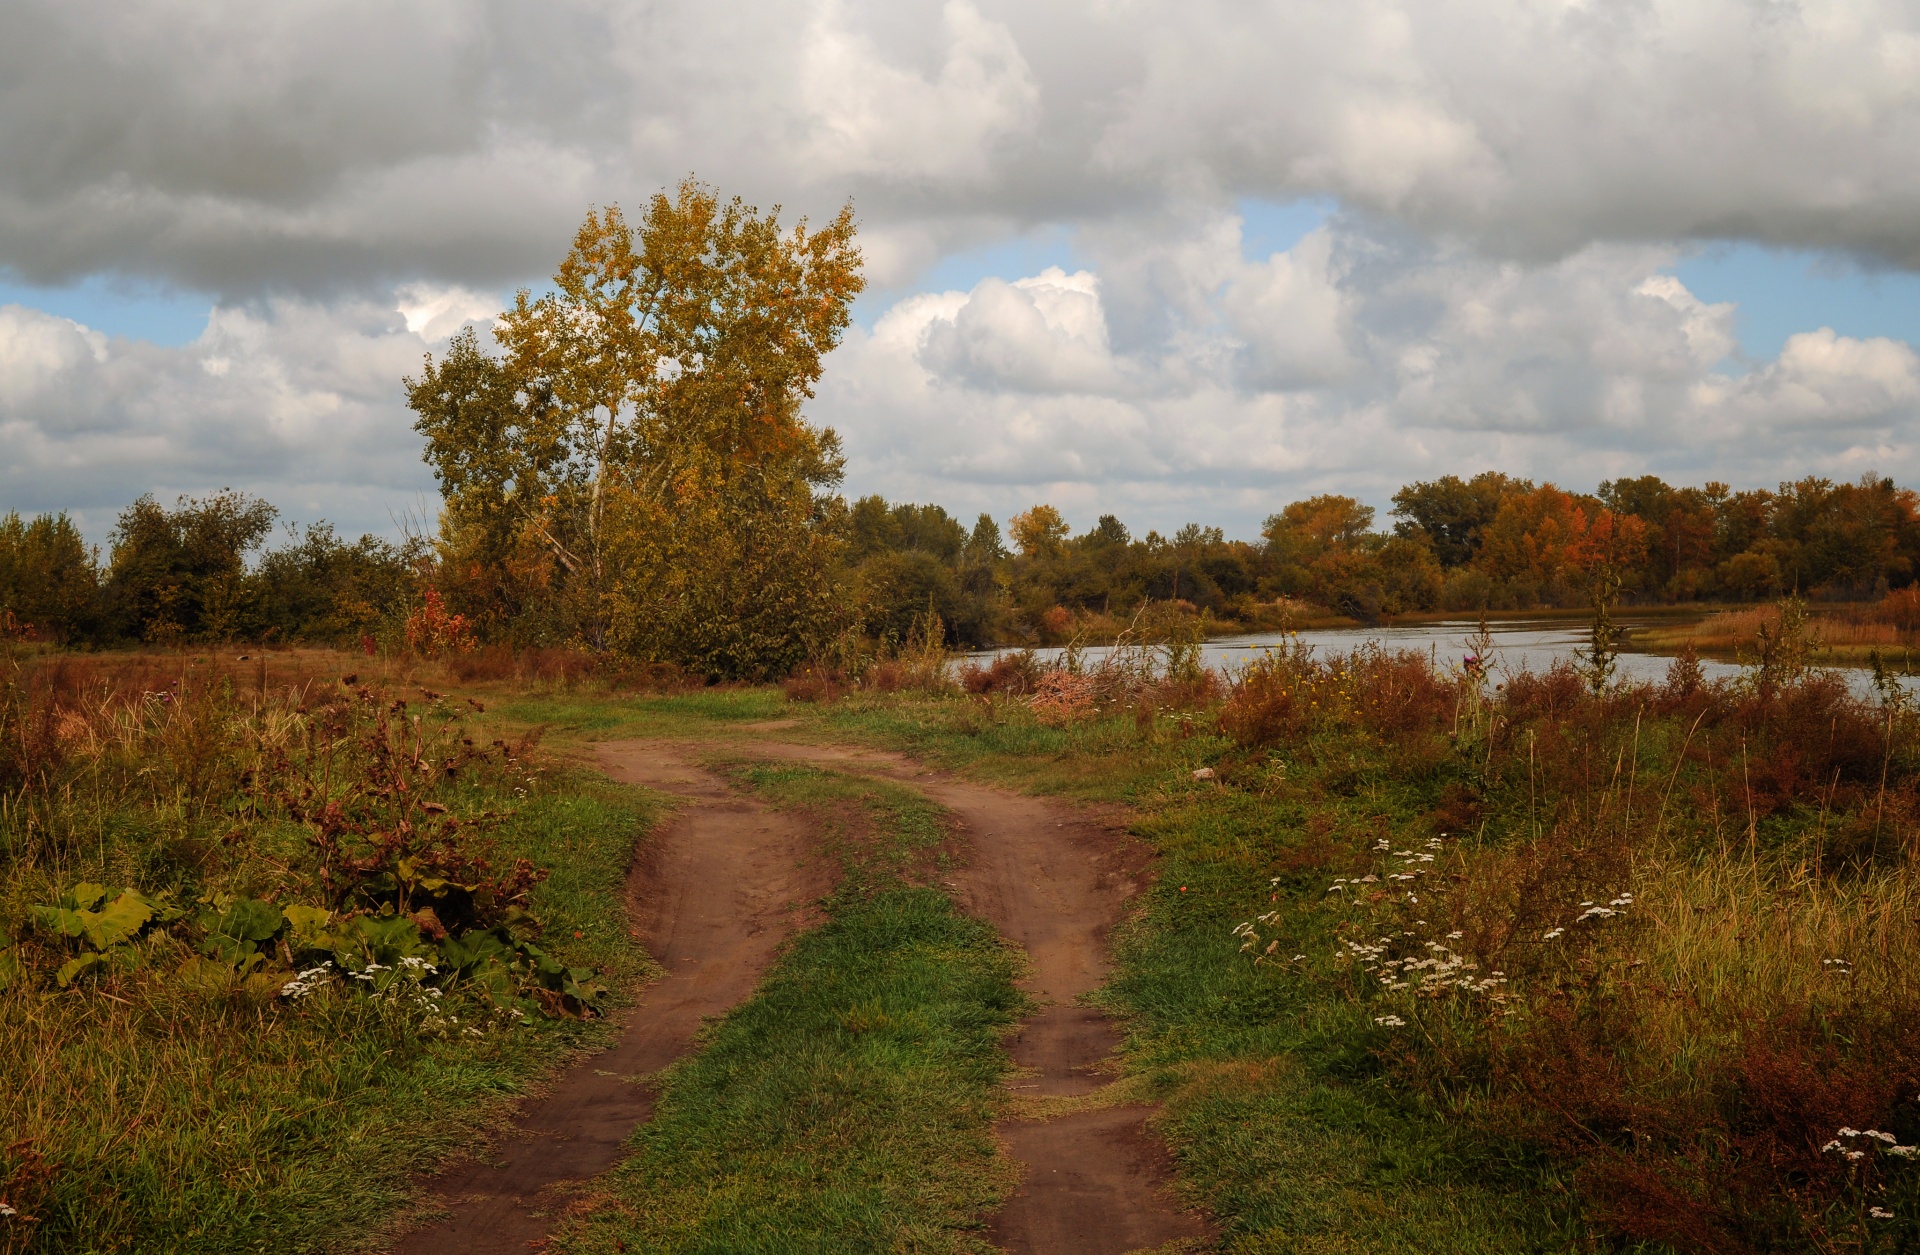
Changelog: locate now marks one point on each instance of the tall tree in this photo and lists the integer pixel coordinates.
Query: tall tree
(49, 579)
(1040, 532)
(653, 397)
(1453, 512)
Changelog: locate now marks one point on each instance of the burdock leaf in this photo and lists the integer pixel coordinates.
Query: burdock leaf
(61, 920)
(119, 921)
(308, 923)
(251, 920)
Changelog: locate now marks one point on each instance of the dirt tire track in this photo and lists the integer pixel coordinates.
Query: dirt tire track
(713, 895)
(1056, 883)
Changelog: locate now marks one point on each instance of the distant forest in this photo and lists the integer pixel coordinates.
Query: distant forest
(203, 571)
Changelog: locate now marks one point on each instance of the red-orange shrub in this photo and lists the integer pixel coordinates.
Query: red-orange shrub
(1014, 674)
(431, 631)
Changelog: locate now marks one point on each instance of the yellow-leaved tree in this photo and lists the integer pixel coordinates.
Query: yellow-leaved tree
(642, 431)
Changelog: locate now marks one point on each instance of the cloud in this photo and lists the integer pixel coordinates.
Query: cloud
(293, 400)
(1292, 317)
(1360, 359)
(320, 147)
(1363, 357)
(1541, 126)
(871, 117)
(1821, 385)
(1042, 334)
(1514, 182)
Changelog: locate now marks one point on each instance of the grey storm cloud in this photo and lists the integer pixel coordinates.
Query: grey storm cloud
(242, 147)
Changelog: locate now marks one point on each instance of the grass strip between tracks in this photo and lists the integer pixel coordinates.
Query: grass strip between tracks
(847, 1105)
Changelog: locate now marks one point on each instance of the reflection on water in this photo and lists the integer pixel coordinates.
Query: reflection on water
(1518, 645)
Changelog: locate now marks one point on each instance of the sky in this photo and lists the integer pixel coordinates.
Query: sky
(1171, 261)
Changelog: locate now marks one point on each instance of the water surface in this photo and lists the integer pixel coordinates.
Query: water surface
(1531, 644)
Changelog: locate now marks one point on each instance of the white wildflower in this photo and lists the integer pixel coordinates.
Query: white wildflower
(305, 982)
(1389, 1021)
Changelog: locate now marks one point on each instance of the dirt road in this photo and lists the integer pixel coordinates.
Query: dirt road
(718, 890)
(1055, 882)
(713, 895)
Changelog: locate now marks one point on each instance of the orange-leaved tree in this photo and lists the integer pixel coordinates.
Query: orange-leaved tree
(647, 414)
(1606, 551)
(1040, 532)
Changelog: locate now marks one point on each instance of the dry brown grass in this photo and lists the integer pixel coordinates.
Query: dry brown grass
(1853, 632)
(1669, 935)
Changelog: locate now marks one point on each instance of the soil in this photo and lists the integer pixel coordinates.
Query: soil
(1055, 881)
(713, 895)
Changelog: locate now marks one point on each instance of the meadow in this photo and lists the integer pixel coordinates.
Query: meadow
(1641, 959)
(1854, 633)
(1436, 957)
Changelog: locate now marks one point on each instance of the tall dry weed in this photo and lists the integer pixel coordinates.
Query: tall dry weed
(1668, 934)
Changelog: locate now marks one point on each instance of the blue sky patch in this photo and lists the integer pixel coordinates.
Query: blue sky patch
(1781, 292)
(135, 309)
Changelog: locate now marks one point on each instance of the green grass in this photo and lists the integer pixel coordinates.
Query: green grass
(592, 715)
(847, 1106)
(191, 1114)
(1279, 1116)
(1278, 1112)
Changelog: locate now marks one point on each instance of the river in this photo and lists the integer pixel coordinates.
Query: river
(1525, 644)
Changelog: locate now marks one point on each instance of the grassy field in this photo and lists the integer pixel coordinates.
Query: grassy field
(1279, 1116)
(1428, 966)
(1433, 966)
(1850, 634)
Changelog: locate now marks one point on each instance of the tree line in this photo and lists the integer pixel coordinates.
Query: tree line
(1492, 542)
(202, 571)
(199, 572)
(628, 470)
